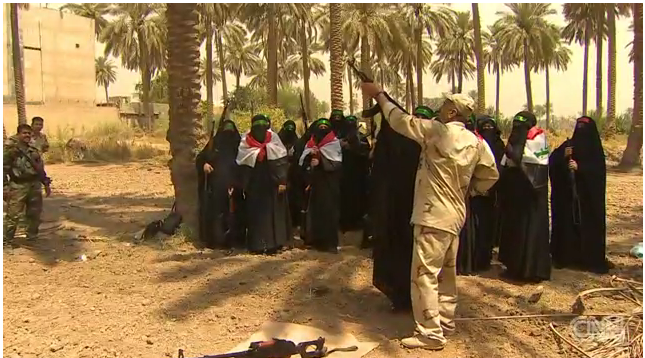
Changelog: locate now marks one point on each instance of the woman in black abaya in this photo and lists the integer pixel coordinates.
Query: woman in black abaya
(263, 165)
(322, 161)
(578, 234)
(523, 188)
(220, 198)
(289, 138)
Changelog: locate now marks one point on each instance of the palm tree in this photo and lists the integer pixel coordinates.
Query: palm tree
(523, 30)
(497, 60)
(555, 55)
(138, 37)
(631, 154)
(336, 64)
(479, 55)
(367, 22)
(105, 73)
(226, 31)
(459, 44)
(448, 65)
(287, 74)
(203, 72)
(16, 56)
(94, 11)
(241, 59)
(613, 11)
(580, 29)
(206, 20)
(185, 124)
(436, 20)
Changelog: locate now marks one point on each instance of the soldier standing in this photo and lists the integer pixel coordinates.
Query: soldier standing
(24, 177)
(39, 139)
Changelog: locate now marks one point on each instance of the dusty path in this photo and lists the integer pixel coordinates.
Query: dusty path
(148, 300)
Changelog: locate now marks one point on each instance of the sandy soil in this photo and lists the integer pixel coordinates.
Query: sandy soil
(148, 300)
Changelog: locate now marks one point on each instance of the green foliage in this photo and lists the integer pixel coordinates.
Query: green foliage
(242, 119)
(158, 88)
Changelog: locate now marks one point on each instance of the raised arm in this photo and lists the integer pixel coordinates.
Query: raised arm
(405, 124)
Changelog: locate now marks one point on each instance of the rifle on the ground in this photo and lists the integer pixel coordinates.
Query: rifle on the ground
(281, 348)
(304, 113)
(574, 188)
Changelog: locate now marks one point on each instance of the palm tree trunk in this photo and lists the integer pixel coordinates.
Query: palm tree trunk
(184, 86)
(408, 93)
(237, 79)
(365, 65)
(305, 66)
(209, 70)
(461, 72)
(145, 80)
(272, 57)
(481, 81)
(18, 73)
(419, 65)
(599, 39)
(585, 71)
(413, 101)
(350, 80)
(631, 154)
(452, 81)
(107, 99)
(527, 78)
(548, 100)
(220, 53)
(611, 70)
(336, 56)
(497, 85)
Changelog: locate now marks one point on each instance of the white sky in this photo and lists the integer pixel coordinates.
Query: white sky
(566, 87)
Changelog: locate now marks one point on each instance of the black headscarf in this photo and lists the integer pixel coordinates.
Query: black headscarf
(227, 137)
(492, 136)
(318, 132)
(522, 122)
(587, 140)
(288, 134)
(260, 124)
(338, 124)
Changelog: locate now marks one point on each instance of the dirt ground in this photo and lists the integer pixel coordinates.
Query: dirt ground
(149, 299)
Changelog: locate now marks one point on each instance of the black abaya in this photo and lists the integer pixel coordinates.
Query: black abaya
(578, 235)
(395, 163)
(353, 185)
(524, 242)
(220, 212)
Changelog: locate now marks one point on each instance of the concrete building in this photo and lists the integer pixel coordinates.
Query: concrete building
(58, 55)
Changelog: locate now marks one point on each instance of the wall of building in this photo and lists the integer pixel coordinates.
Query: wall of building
(58, 55)
(59, 117)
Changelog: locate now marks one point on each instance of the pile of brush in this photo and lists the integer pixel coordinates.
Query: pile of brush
(608, 335)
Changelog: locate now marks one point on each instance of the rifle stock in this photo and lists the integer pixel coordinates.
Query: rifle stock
(281, 348)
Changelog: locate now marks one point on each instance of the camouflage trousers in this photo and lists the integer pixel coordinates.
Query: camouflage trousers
(24, 201)
(434, 284)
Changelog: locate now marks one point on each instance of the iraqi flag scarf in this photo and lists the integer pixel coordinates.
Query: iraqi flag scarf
(252, 151)
(329, 147)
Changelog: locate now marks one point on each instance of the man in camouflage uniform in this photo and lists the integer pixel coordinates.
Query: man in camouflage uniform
(39, 139)
(24, 177)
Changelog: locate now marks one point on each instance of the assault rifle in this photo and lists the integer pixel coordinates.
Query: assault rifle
(221, 121)
(376, 108)
(304, 113)
(281, 348)
(574, 188)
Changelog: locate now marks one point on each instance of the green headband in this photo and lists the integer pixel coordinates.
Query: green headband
(520, 119)
(424, 111)
(228, 125)
(260, 122)
(351, 118)
(322, 121)
(289, 126)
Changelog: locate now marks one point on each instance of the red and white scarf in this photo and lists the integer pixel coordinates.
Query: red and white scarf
(329, 147)
(250, 150)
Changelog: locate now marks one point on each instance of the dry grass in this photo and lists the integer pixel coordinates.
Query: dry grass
(105, 142)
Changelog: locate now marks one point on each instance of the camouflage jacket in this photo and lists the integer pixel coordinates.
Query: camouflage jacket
(40, 142)
(16, 166)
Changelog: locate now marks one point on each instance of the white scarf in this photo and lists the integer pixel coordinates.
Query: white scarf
(247, 154)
